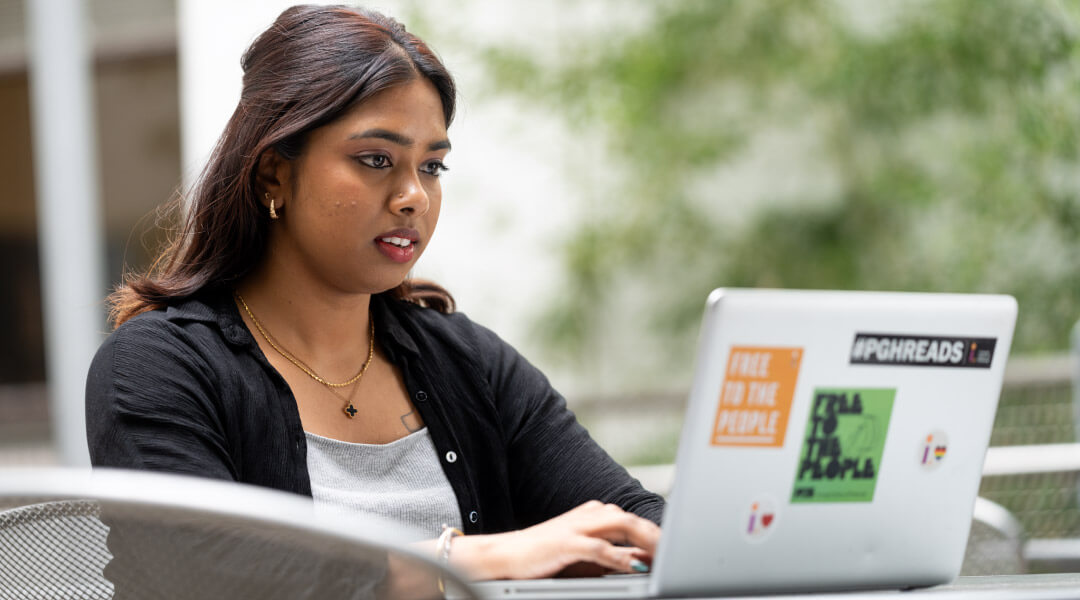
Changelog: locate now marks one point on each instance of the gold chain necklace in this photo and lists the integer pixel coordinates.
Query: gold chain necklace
(348, 409)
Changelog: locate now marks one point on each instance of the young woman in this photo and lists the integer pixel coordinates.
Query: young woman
(279, 341)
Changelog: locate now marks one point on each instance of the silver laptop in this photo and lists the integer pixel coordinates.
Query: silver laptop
(832, 441)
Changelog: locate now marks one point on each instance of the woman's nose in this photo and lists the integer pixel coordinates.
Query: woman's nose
(410, 199)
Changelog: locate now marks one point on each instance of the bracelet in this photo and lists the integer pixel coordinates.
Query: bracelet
(442, 550)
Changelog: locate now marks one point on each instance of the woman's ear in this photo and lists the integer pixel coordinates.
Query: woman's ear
(272, 178)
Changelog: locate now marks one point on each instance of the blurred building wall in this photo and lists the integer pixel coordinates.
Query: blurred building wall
(136, 95)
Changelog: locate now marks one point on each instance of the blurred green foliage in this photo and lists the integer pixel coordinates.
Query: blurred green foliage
(930, 147)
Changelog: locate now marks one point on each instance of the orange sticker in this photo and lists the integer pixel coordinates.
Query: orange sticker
(755, 399)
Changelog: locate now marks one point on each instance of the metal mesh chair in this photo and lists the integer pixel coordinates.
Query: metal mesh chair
(995, 544)
(54, 550)
(77, 534)
(1037, 484)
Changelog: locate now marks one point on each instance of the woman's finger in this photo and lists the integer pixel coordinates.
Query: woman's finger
(621, 527)
(628, 559)
(601, 552)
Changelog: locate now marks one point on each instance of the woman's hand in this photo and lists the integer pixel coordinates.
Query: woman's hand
(587, 534)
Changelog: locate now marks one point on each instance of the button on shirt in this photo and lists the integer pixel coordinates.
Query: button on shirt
(186, 389)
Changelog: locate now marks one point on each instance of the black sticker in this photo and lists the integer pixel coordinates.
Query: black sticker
(922, 350)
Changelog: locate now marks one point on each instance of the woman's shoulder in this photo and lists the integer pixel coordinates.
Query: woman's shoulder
(196, 320)
(457, 343)
(412, 324)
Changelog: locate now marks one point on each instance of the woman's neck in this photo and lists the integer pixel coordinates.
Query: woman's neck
(327, 329)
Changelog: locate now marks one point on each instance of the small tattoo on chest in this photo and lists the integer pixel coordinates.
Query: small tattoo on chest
(411, 421)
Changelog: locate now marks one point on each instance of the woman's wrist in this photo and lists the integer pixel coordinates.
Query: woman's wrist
(475, 556)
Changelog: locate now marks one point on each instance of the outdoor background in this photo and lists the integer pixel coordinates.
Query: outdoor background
(615, 160)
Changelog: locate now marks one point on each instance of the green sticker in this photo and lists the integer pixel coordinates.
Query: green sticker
(845, 436)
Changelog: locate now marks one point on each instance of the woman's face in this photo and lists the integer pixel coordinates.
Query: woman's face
(361, 202)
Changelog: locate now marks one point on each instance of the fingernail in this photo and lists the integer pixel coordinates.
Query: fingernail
(638, 566)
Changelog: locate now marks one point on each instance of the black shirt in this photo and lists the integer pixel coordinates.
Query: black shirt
(187, 390)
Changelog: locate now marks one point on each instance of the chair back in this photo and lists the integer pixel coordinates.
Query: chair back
(116, 534)
(54, 549)
(996, 543)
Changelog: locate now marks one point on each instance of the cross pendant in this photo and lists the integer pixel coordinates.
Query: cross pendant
(350, 410)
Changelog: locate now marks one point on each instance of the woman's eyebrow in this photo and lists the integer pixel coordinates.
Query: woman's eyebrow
(397, 138)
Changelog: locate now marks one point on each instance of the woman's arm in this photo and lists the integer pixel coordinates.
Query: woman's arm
(594, 533)
(597, 535)
(576, 506)
(151, 404)
(553, 464)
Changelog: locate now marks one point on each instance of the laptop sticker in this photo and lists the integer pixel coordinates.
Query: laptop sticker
(845, 437)
(922, 350)
(755, 398)
(761, 519)
(932, 450)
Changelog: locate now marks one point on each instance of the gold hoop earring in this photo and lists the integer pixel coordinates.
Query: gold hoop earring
(273, 213)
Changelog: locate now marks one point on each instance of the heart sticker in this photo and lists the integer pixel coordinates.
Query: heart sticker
(760, 519)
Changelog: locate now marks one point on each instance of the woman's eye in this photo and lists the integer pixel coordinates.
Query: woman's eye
(434, 168)
(375, 161)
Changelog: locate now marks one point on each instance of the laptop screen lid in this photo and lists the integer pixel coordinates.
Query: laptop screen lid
(832, 440)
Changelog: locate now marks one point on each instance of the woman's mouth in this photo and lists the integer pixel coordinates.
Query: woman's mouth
(399, 248)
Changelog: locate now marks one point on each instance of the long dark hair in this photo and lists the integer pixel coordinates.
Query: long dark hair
(308, 68)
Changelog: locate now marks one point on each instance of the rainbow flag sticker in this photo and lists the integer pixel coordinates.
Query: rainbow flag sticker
(932, 449)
